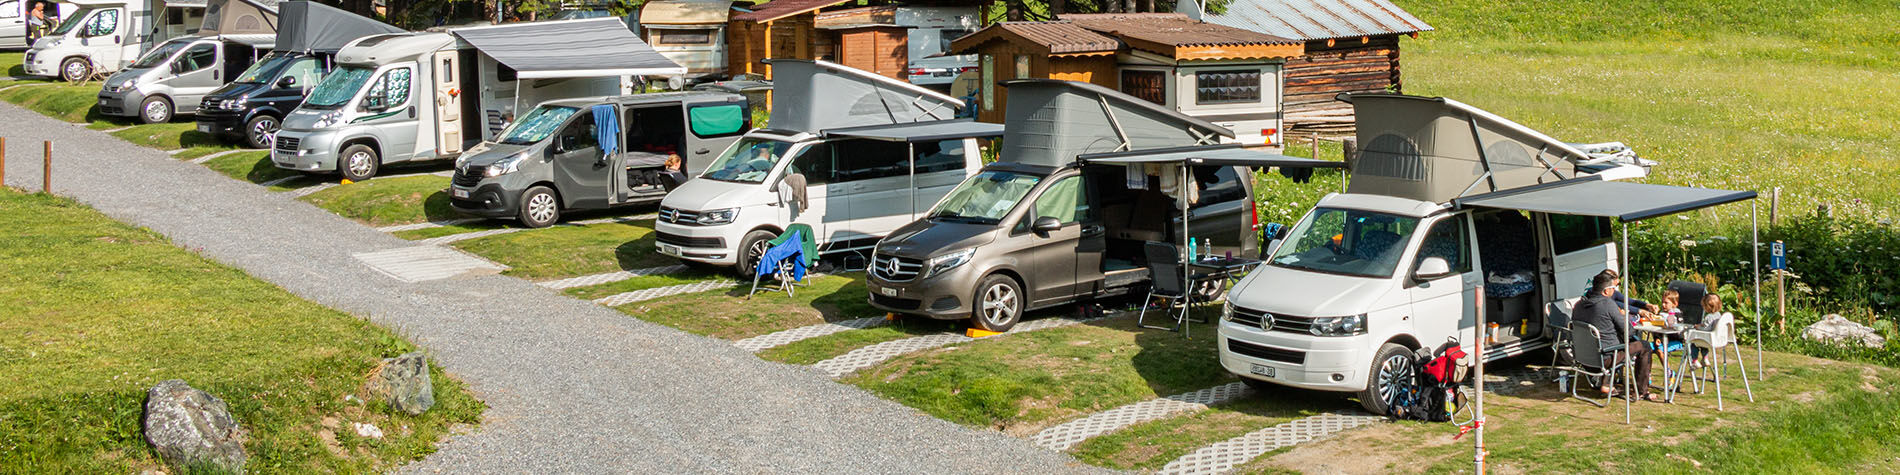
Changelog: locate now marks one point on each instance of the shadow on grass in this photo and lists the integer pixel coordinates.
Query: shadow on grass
(436, 207)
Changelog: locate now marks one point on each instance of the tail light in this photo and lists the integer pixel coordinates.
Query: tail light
(918, 71)
(1253, 214)
(967, 69)
(1268, 133)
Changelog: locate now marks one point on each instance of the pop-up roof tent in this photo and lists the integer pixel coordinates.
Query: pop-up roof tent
(312, 27)
(814, 96)
(1436, 149)
(239, 17)
(569, 49)
(1051, 122)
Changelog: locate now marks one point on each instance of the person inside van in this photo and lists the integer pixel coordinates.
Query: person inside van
(1599, 310)
(37, 23)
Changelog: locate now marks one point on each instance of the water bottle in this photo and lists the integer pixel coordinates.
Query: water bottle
(1190, 250)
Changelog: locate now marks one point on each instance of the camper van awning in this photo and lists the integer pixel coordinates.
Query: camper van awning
(1592, 196)
(1219, 155)
(921, 131)
(569, 49)
(258, 41)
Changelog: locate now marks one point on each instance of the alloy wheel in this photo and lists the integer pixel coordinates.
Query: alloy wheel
(541, 207)
(1395, 375)
(267, 129)
(75, 71)
(359, 163)
(757, 251)
(999, 305)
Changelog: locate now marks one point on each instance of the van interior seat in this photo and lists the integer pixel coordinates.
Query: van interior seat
(1146, 220)
(1374, 244)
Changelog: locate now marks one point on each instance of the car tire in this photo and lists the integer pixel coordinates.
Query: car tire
(260, 131)
(751, 248)
(997, 304)
(358, 162)
(540, 208)
(75, 69)
(1392, 371)
(155, 110)
(1260, 387)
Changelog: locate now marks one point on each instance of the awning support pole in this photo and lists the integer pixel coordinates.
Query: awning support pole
(1187, 286)
(1629, 378)
(1754, 224)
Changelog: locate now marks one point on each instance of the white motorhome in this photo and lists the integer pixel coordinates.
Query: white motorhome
(102, 36)
(874, 153)
(1445, 199)
(931, 29)
(428, 96)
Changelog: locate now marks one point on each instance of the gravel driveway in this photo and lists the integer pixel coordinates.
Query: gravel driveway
(571, 386)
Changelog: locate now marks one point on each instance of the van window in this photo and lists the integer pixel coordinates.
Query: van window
(308, 71)
(717, 121)
(1065, 200)
(1574, 233)
(504, 73)
(581, 127)
(536, 125)
(1347, 242)
(1218, 185)
(815, 162)
(1448, 240)
(11, 9)
(105, 23)
(938, 156)
(393, 88)
(198, 57)
(158, 55)
(870, 159)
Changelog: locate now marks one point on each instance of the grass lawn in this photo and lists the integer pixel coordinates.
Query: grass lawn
(71, 103)
(256, 167)
(174, 136)
(95, 312)
(388, 200)
(730, 315)
(568, 251)
(813, 350)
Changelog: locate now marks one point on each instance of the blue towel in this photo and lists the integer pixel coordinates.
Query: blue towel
(607, 128)
(793, 248)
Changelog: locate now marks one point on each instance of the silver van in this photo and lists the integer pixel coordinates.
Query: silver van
(174, 77)
(552, 159)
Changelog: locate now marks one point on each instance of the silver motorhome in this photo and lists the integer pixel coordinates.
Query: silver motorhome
(103, 36)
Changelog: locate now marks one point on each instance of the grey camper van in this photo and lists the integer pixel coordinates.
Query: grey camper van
(554, 159)
(174, 77)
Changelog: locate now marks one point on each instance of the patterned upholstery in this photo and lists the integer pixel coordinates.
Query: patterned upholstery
(1375, 244)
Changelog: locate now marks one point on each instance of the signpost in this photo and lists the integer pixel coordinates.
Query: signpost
(1778, 262)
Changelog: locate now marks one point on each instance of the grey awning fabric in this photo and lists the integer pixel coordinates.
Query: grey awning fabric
(255, 41)
(1591, 196)
(307, 26)
(569, 49)
(1219, 155)
(921, 131)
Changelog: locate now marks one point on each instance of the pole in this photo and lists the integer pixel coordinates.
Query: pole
(3, 162)
(1629, 378)
(1754, 212)
(1315, 154)
(1774, 207)
(1181, 184)
(1781, 299)
(46, 180)
(1477, 418)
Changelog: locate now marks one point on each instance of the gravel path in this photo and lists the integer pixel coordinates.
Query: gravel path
(571, 386)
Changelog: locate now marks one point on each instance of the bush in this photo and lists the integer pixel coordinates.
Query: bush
(1835, 264)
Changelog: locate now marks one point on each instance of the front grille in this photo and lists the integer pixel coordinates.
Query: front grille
(1281, 323)
(288, 144)
(894, 302)
(469, 176)
(671, 215)
(208, 104)
(1270, 354)
(895, 269)
(685, 241)
(111, 110)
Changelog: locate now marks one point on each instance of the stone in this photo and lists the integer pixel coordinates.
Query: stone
(403, 383)
(368, 430)
(1838, 329)
(192, 429)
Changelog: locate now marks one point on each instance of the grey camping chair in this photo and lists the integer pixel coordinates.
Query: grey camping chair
(1587, 360)
(1164, 274)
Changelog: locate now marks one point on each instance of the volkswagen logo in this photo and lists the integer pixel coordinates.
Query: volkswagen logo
(1266, 321)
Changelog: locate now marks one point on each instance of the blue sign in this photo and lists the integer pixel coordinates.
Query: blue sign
(1777, 256)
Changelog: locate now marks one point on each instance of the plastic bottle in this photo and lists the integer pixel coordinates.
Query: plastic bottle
(1190, 250)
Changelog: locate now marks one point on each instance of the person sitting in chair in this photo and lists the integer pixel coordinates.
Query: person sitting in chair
(1643, 309)
(1600, 310)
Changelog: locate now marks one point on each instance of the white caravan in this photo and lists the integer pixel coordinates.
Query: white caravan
(689, 32)
(931, 29)
(874, 153)
(429, 96)
(102, 36)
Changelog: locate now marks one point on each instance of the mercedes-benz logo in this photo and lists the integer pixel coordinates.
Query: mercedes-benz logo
(890, 267)
(1266, 321)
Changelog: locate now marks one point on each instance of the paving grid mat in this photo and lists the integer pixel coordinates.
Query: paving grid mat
(422, 263)
(1068, 434)
(668, 291)
(430, 224)
(209, 157)
(781, 338)
(609, 277)
(1225, 455)
(871, 355)
(491, 232)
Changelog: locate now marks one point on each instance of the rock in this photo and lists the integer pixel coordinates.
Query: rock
(368, 430)
(1836, 328)
(403, 383)
(192, 429)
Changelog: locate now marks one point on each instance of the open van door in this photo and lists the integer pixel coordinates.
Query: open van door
(448, 102)
(1582, 246)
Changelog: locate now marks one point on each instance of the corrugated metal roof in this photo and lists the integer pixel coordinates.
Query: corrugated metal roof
(1172, 29)
(1060, 37)
(1320, 19)
(777, 9)
(685, 12)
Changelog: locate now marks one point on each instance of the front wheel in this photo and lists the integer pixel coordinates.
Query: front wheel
(751, 249)
(1391, 377)
(999, 304)
(155, 110)
(539, 209)
(358, 162)
(260, 131)
(75, 69)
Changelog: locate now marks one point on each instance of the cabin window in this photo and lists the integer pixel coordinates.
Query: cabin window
(717, 121)
(1065, 201)
(1570, 233)
(583, 130)
(948, 35)
(815, 163)
(447, 74)
(1227, 86)
(105, 23)
(1448, 240)
(11, 9)
(1149, 85)
(870, 159)
(940, 156)
(1022, 66)
(391, 91)
(198, 57)
(682, 37)
(989, 78)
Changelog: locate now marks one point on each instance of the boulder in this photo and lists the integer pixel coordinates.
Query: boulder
(403, 383)
(192, 429)
(1838, 329)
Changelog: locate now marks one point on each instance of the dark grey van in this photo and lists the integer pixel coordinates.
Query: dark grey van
(551, 160)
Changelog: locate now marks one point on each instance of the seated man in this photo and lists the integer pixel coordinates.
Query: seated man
(1598, 310)
(1643, 309)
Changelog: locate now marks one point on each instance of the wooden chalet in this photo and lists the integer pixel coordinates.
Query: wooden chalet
(875, 38)
(1351, 46)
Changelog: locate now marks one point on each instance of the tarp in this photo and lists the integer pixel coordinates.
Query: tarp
(1593, 196)
(1051, 122)
(607, 128)
(569, 49)
(314, 27)
(1435, 149)
(239, 17)
(813, 96)
(1232, 155)
(922, 131)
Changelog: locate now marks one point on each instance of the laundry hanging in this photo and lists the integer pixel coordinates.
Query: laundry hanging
(607, 128)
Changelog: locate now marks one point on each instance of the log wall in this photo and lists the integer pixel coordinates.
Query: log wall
(1348, 65)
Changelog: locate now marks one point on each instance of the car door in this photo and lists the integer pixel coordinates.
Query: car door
(12, 24)
(391, 112)
(100, 35)
(873, 176)
(1582, 247)
(938, 166)
(816, 163)
(582, 176)
(197, 72)
(1052, 256)
(1445, 307)
(711, 128)
(448, 103)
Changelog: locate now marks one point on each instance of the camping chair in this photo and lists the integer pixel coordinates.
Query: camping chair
(1689, 299)
(1557, 325)
(1164, 274)
(1719, 334)
(1587, 360)
(786, 259)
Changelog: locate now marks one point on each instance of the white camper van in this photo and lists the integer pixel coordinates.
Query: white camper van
(874, 154)
(428, 96)
(1445, 199)
(102, 36)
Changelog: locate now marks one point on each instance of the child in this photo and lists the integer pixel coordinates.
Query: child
(1712, 315)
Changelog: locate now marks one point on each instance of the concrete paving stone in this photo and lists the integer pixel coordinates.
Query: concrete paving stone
(610, 277)
(786, 337)
(420, 263)
(1223, 456)
(1068, 434)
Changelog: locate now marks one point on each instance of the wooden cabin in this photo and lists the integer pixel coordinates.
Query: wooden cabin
(882, 39)
(866, 38)
(776, 29)
(1225, 75)
(1351, 46)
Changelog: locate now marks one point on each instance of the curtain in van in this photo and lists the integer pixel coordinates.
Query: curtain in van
(607, 128)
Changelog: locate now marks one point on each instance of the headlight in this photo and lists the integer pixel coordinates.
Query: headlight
(127, 85)
(462, 160)
(944, 263)
(328, 119)
(1340, 326)
(718, 216)
(228, 104)
(1227, 310)
(505, 166)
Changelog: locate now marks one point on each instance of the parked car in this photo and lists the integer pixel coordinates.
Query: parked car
(929, 33)
(551, 159)
(105, 35)
(251, 107)
(174, 78)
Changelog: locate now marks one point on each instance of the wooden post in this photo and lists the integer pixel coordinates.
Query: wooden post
(1315, 154)
(1774, 207)
(46, 181)
(3, 162)
(1781, 302)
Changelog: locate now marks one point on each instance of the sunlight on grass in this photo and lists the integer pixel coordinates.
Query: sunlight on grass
(728, 314)
(254, 167)
(570, 250)
(388, 200)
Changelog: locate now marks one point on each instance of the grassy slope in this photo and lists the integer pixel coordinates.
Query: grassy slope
(567, 251)
(388, 200)
(93, 312)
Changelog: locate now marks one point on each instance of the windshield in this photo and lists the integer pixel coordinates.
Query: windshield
(537, 125)
(69, 25)
(338, 88)
(984, 198)
(158, 55)
(264, 70)
(747, 161)
(1346, 241)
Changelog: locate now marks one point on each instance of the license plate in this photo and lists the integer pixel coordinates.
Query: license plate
(206, 128)
(669, 249)
(1266, 371)
(458, 193)
(888, 292)
(104, 102)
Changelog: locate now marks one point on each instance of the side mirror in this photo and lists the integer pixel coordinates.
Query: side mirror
(1045, 224)
(560, 144)
(1276, 231)
(177, 67)
(286, 82)
(1432, 268)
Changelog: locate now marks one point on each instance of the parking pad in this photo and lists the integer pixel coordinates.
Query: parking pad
(422, 263)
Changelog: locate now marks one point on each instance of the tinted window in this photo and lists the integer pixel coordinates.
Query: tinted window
(1066, 200)
(447, 73)
(1574, 233)
(1448, 240)
(870, 159)
(815, 163)
(1224, 87)
(941, 156)
(308, 71)
(1218, 185)
(1148, 85)
(716, 121)
(198, 57)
